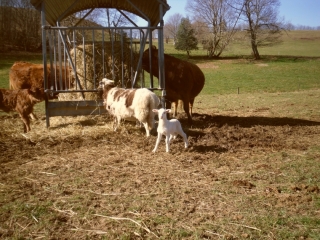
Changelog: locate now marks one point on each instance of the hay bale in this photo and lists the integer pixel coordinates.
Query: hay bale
(90, 60)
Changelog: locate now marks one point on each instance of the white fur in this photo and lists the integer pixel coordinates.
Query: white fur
(141, 109)
(169, 128)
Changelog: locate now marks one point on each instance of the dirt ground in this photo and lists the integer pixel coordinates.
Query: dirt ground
(242, 177)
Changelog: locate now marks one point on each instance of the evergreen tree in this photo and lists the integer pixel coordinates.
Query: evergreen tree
(186, 40)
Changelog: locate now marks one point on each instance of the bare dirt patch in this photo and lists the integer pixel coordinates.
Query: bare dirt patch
(243, 177)
(262, 65)
(210, 65)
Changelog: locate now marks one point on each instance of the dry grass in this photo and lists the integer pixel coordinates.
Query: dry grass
(251, 172)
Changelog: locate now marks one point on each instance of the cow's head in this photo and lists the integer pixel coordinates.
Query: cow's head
(146, 58)
(37, 94)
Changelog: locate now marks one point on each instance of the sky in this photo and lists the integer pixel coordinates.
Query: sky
(297, 12)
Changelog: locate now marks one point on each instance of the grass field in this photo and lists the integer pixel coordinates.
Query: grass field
(251, 170)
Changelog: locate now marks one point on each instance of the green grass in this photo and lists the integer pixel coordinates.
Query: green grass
(291, 66)
(294, 43)
(268, 75)
(282, 68)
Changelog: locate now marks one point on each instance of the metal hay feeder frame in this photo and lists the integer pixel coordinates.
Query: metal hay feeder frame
(58, 43)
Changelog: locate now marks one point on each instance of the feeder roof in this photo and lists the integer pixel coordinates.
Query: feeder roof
(57, 10)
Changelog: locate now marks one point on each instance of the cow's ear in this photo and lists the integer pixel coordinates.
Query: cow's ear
(154, 47)
(155, 110)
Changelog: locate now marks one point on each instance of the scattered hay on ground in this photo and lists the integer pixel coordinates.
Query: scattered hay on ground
(243, 177)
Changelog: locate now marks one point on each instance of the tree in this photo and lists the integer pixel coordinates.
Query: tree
(115, 18)
(172, 25)
(264, 28)
(201, 30)
(220, 18)
(186, 40)
(19, 24)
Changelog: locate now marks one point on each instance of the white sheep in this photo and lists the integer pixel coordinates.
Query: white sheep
(169, 128)
(130, 103)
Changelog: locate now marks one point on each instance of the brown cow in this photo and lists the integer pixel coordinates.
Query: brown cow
(21, 101)
(183, 80)
(27, 75)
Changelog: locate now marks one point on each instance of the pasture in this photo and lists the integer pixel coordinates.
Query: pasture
(251, 170)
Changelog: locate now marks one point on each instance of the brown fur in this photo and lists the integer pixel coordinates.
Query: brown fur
(128, 94)
(21, 101)
(29, 75)
(105, 90)
(118, 94)
(129, 98)
(183, 80)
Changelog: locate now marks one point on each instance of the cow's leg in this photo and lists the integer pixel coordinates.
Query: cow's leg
(33, 116)
(186, 109)
(168, 106)
(191, 105)
(175, 108)
(26, 122)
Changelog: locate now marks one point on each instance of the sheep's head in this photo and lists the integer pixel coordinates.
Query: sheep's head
(104, 86)
(162, 113)
(106, 82)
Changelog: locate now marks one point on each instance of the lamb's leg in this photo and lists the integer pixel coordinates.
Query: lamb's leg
(172, 136)
(157, 142)
(183, 135)
(167, 143)
(185, 139)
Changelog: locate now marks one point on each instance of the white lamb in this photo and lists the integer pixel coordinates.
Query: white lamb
(169, 128)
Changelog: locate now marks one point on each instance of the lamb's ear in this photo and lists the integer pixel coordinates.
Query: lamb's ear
(155, 110)
(168, 110)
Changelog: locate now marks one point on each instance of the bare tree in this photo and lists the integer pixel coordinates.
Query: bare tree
(264, 28)
(113, 18)
(19, 24)
(172, 25)
(220, 18)
(201, 30)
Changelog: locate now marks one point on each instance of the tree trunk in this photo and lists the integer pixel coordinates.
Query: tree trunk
(255, 50)
(254, 45)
